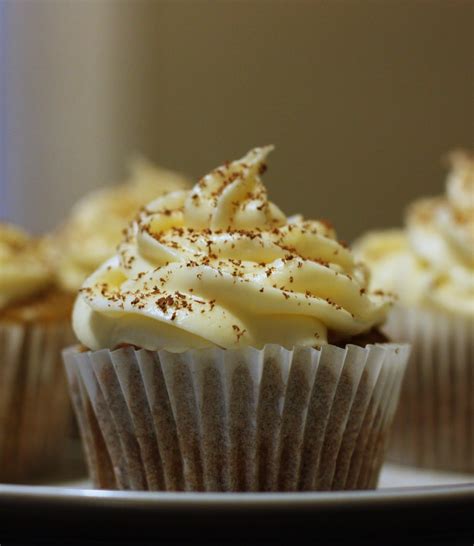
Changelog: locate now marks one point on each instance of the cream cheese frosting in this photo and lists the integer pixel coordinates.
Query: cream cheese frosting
(220, 265)
(431, 262)
(24, 271)
(95, 225)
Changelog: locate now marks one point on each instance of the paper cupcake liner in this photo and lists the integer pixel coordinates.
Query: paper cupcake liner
(34, 406)
(236, 420)
(434, 425)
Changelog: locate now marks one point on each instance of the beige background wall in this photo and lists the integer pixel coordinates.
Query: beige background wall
(361, 98)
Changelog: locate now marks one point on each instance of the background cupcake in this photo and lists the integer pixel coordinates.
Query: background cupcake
(430, 265)
(226, 348)
(94, 227)
(34, 328)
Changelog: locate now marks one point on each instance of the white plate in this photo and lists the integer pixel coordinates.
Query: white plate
(420, 503)
(395, 482)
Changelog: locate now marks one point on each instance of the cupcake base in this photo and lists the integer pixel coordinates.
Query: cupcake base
(34, 407)
(236, 420)
(434, 425)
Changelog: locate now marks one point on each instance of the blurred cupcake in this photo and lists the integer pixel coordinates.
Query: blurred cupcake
(226, 348)
(34, 328)
(94, 227)
(430, 265)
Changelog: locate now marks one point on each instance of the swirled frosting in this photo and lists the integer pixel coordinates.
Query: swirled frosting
(23, 268)
(94, 227)
(431, 262)
(220, 265)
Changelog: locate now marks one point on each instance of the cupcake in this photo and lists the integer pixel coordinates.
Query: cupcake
(94, 227)
(34, 328)
(226, 347)
(430, 265)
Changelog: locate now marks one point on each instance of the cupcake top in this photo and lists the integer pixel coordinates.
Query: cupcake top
(220, 265)
(95, 224)
(24, 271)
(431, 261)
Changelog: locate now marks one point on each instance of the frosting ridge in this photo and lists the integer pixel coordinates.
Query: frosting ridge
(94, 227)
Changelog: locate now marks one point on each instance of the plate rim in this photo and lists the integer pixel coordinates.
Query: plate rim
(204, 500)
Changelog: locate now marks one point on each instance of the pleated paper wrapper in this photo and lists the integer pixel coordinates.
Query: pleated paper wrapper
(236, 420)
(35, 411)
(434, 425)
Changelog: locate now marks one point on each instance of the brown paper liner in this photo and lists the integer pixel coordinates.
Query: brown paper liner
(236, 420)
(434, 425)
(34, 406)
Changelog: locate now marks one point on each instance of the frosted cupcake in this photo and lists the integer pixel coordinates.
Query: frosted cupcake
(430, 264)
(226, 348)
(94, 227)
(34, 328)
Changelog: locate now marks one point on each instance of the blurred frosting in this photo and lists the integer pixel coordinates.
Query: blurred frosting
(431, 262)
(94, 227)
(24, 271)
(220, 265)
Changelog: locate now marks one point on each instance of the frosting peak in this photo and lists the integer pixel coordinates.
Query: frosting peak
(233, 197)
(460, 185)
(222, 265)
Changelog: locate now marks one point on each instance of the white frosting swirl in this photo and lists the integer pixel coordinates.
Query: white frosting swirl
(220, 265)
(432, 262)
(23, 269)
